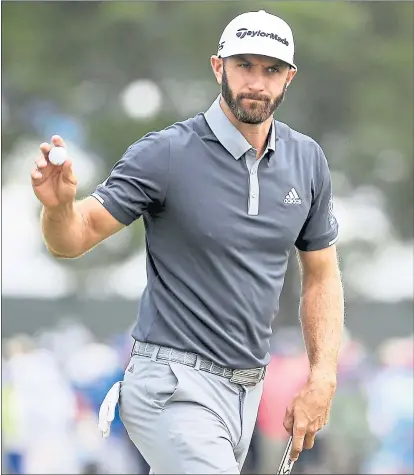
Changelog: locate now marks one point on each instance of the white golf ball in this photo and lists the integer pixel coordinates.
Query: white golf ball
(58, 155)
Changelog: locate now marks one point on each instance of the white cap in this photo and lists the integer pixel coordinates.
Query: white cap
(258, 33)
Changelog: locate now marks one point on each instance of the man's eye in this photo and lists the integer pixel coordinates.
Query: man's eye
(244, 65)
(273, 70)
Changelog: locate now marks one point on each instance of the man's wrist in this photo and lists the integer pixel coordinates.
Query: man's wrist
(324, 374)
(59, 213)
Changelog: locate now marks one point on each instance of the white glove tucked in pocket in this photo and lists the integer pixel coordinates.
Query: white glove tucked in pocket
(107, 409)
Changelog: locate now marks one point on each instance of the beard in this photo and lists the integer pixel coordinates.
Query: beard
(255, 112)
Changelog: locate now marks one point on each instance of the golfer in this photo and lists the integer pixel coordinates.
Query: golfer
(225, 197)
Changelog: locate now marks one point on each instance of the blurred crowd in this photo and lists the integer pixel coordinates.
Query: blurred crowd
(54, 382)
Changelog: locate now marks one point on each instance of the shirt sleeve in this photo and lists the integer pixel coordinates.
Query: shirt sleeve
(138, 180)
(321, 227)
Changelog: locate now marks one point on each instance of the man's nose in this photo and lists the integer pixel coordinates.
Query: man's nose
(256, 83)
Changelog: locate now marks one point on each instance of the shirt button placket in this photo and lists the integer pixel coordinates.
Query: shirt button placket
(254, 190)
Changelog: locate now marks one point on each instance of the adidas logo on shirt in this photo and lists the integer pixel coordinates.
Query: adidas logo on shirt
(292, 198)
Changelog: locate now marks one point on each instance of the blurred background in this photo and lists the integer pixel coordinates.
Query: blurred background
(102, 74)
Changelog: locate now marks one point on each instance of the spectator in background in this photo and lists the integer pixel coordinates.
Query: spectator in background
(43, 410)
(53, 385)
(390, 393)
(348, 437)
(12, 450)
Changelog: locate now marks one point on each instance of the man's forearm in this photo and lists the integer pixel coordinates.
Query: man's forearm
(322, 319)
(63, 231)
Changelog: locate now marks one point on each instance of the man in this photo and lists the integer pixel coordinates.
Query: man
(224, 197)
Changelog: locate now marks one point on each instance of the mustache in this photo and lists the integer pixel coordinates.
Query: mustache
(253, 97)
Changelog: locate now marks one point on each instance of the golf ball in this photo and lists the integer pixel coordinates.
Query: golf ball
(58, 155)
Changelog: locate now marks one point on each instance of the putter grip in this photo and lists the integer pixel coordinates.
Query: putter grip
(286, 464)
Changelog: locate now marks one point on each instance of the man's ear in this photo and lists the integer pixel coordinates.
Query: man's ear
(217, 67)
(291, 75)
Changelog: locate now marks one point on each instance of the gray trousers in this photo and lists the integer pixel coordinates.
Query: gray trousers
(184, 420)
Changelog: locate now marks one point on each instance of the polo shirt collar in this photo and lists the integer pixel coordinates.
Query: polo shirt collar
(228, 135)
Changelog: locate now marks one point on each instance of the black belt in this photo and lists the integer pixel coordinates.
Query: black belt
(246, 377)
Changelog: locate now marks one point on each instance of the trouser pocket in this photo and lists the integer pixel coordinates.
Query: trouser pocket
(161, 383)
(149, 383)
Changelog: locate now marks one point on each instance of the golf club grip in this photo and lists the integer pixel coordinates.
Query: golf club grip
(286, 464)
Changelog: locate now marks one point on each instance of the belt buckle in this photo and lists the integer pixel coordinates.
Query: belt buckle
(247, 377)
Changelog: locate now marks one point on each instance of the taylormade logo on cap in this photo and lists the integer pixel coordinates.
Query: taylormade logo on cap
(262, 34)
(243, 32)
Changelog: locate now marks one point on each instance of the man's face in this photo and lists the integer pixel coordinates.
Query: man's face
(254, 86)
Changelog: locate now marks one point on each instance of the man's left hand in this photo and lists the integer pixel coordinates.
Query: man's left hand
(309, 412)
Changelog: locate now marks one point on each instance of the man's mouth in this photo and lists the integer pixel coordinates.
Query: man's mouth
(257, 99)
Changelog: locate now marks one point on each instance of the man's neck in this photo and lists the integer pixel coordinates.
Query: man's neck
(255, 134)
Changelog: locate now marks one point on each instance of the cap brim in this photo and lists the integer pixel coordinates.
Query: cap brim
(252, 49)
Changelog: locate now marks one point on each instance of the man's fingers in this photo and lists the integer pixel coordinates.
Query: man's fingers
(67, 172)
(309, 440)
(57, 141)
(41, 162)
(36, 175)
(299, 432)
(45, 149)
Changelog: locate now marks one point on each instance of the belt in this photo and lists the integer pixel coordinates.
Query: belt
(246, 377)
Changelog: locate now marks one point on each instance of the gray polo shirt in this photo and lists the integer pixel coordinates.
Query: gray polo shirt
(219, 229)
